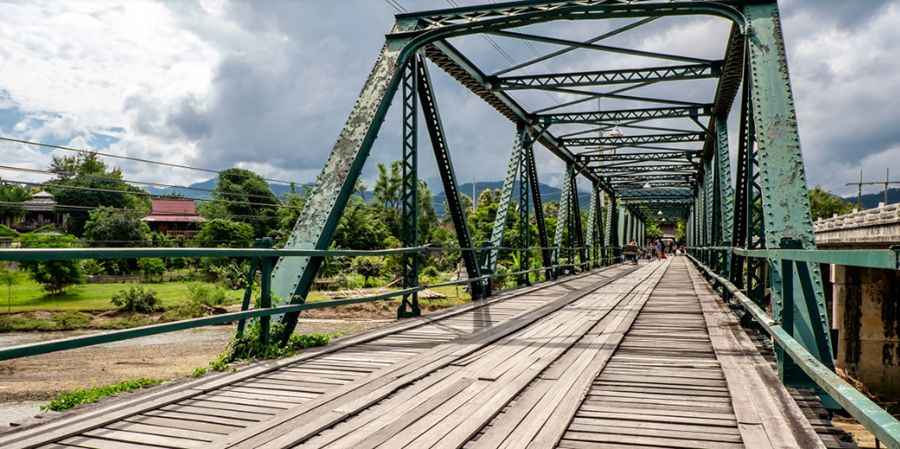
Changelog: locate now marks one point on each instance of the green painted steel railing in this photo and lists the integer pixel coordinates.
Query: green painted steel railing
(263, 259)
(882, 424)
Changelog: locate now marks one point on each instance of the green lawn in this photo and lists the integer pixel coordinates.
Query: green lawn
(28, 296)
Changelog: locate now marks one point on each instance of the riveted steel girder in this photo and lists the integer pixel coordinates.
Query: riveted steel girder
(633, 140)
(631, 115)
(637, 157)
(521, 13)
(797, 294)
(608, 77)
(448, 175)
(512, 171)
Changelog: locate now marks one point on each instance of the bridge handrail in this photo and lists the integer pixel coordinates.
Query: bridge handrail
(49, 254)
(888, 259)
(874, 418)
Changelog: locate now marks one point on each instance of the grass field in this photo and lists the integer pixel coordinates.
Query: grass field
(28, 296)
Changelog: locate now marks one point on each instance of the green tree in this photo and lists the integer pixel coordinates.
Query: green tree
(368, 267)
(111, 227)
(244, 196)
(360, 227)
(388, 192)
(55, 275)
(681, 230)
(84, 180)
(220, 233)
(9, 278)
(824, 204)
(11, 195)
(652, 230)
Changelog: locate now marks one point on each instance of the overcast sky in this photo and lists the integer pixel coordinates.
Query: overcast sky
(268, 85)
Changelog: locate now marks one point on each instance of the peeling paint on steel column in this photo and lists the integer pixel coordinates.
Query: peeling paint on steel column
(786, 214)
(315, 227)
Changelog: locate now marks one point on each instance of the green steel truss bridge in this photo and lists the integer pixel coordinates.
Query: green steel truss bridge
(597, 353)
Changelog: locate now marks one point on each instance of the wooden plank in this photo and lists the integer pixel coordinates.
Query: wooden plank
(372, 389)
(68, 426)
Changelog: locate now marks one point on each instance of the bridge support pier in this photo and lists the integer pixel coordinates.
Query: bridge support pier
(867, 318)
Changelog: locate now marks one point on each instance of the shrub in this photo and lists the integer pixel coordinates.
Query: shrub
(249, 347)
(205, 294)
(55, 275)
(71, 320)
(152, 267)
(231, 273)
(74, 398)
(6, 231)
(92, 267)
(107, 226)
(368, 267)
(136, 300)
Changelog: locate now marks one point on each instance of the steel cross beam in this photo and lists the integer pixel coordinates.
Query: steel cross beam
(647, 168)
(633, 140)
(609, 77)
(637, 157)
(642, 114)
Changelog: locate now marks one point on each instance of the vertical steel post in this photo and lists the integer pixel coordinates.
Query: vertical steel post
(524, 228)
(409, 205)
(503, 208)
(785, 201)
(315, 227)
(592, 225)
(265, 292)
(439, 144)
(537, 201)
(577, 228)
(562, 218)
(725, 192)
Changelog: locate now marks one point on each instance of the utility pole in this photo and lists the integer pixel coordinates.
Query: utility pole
(887, 183)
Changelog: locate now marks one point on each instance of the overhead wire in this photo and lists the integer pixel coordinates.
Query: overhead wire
(129, 181)
(127, 158)
(145, 193)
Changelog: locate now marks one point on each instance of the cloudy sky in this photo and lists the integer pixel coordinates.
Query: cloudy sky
(268, 85)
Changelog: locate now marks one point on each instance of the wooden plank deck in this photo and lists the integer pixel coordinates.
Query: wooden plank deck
(621, 358)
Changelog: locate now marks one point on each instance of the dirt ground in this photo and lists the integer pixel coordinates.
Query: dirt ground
(27, 383)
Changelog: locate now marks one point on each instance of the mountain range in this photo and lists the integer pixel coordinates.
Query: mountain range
(203, 190)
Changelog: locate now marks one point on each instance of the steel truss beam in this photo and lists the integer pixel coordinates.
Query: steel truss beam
(635, 140)
(409, 198)
(531, 167)
(609, 77)
(797, 293)
(648, 168)
(562, 217)
(512, 171)
(637, 157)
(448, 175)
(593, 117)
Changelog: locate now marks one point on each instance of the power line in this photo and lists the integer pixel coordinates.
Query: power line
(396, 5)
(122, 209)
(128, 181)
(145, 193)
(127, 158)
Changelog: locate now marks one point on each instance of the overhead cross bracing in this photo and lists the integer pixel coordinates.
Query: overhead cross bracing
(615, 102)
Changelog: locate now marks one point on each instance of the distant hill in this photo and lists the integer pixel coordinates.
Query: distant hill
(549, 194)
(202, 190)
(871, 200)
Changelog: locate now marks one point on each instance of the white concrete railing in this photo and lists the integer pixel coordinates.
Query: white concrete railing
(872, 226)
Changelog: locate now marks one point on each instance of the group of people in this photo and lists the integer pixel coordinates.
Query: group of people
(655, 249)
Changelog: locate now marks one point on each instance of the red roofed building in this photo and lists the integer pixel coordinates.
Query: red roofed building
(174, 217)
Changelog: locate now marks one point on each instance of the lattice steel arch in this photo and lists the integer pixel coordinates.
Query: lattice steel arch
(427, 32)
